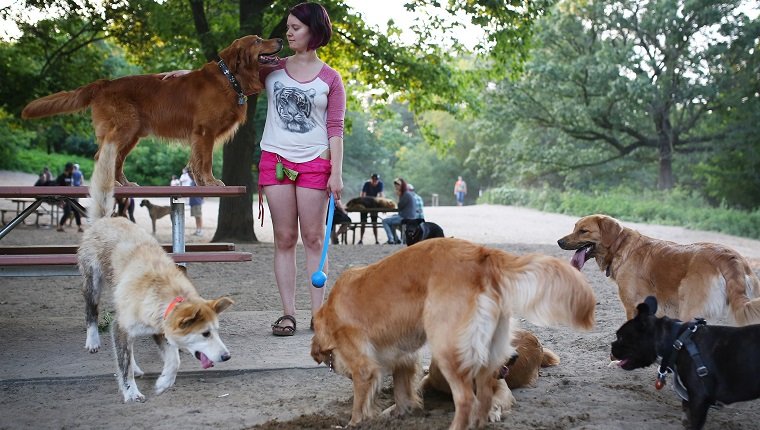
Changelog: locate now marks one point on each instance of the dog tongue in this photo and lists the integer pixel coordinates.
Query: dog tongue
(205, 362)
(579, 258)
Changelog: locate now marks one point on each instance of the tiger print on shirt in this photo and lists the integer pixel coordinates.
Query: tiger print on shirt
(294, 107)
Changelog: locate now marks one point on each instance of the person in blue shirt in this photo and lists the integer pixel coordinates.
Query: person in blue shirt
(371, 188)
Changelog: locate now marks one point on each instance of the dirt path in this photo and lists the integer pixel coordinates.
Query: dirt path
(48, 380)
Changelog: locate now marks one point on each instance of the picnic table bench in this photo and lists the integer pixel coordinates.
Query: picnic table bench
(60, 260)
(353, 225)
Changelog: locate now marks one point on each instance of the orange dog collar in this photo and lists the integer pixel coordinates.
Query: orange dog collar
(177, 300)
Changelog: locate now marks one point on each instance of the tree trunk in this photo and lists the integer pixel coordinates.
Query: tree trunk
(665, 137)
(236, 221)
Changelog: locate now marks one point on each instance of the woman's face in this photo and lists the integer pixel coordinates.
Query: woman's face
(298, 34)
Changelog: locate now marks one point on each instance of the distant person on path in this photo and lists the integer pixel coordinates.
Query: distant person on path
(460, 190)
(371, 188)
(66, 179)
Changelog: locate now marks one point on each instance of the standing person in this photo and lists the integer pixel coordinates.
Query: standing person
(460, 190)
(66, 179)
(125, 206)
(77, 177)
(419, 205)
(301, 152)
(184, 179)
(303, 133)
(196, 211)
(406, 210)
(175, 181)
(371, 188)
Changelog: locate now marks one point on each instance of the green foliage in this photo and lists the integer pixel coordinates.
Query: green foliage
(676, 207)
(153, 162)
(33, 160)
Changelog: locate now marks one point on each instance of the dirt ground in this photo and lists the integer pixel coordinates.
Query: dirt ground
(48, 380)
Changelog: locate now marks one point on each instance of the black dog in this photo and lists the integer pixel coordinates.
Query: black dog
(713, 365)
(418, 230)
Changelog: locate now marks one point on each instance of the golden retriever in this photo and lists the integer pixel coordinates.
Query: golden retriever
(202, 107)
(151, 295)
(697, 280)
(520, 371)
(454, 295)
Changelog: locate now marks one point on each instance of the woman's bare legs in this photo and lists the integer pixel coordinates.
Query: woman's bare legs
(282, 208)
(290, 206)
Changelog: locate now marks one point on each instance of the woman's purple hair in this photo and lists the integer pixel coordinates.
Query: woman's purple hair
(314, 16)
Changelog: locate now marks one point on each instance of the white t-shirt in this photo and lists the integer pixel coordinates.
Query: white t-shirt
(302, 116)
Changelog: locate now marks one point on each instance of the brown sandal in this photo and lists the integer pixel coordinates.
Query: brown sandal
(284, 330)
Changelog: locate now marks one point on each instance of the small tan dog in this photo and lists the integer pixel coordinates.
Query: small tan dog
(156, 212)
(456, 296)
(151, 295)
(698, 280)
(520, 371)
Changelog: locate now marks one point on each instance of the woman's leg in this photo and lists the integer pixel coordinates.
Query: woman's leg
(389, 223)
(312, 210)
(282, 208)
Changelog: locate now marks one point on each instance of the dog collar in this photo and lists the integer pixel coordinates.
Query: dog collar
(242, 98)
(177, 300)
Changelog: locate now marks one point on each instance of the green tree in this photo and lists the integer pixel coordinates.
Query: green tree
(639, 80)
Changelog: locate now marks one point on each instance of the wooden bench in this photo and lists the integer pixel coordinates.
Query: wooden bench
(66, 264)
(369, 224)
(61, 260)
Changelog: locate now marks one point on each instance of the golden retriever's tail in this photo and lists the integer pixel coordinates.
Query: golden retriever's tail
(743, 290)
(62, 102)
(102, 183)
(548, 291)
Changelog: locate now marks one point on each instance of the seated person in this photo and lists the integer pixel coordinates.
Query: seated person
(406, 210)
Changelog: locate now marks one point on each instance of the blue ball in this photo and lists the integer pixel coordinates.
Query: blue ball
(318, 279)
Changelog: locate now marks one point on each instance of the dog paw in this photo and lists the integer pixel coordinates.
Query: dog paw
(614, 364)
(92, 343)
(133, 396)
(164, 382)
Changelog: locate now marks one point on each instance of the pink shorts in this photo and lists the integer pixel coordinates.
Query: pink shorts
(311, 174)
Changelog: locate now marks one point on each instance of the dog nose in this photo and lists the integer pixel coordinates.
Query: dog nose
(561, 243)
(226, 356)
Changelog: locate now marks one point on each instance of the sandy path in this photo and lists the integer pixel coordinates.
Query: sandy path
(47, 380)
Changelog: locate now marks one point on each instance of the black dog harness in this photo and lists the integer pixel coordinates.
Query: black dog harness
(667, 365)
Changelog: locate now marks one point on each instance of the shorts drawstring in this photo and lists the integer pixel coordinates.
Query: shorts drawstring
(261, 205)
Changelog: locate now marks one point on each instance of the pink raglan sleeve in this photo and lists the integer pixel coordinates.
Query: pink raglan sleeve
(336, 105)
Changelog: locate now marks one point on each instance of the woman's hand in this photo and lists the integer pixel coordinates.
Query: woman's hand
(175, 73)
(335, 185)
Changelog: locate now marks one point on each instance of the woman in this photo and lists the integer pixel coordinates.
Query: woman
(304, 133)
(406, 210)
(301, 152)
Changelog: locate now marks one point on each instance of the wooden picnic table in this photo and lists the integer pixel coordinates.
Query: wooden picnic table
(58, 194)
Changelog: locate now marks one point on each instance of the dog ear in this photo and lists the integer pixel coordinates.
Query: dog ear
(649, 307)
(651, 302)
(220, 304)
(609, 230)
(187, 318)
